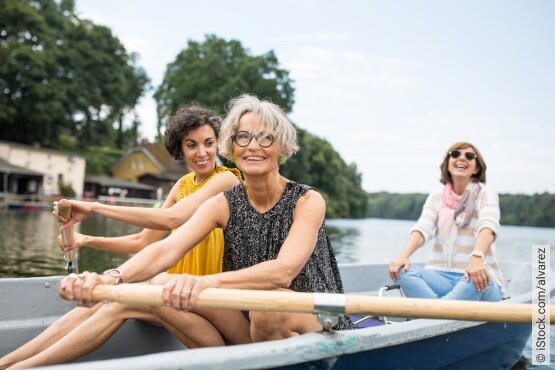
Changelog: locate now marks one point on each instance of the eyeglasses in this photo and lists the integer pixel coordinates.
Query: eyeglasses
(243, 138)
(457, 153)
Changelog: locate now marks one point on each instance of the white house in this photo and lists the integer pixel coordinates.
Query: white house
(56, 166)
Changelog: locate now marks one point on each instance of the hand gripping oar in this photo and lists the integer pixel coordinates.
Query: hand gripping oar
(64, 210)
(262, 300)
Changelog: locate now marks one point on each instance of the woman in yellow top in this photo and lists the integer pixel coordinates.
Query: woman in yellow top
(191, 134)
(206, 257)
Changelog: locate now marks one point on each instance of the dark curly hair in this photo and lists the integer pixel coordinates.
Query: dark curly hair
(187, 118)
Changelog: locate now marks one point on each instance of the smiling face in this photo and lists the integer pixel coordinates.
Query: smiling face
(199, 147)
(254, 159)
(461, 168)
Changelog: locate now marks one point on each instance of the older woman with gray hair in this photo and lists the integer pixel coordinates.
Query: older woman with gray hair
(274, 236)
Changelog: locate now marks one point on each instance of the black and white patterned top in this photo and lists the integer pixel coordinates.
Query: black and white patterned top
(251, 237)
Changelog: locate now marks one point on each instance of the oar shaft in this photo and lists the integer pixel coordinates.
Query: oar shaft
(442, 309)
(239, 299)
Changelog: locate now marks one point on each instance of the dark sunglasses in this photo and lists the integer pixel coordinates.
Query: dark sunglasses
(457, 153)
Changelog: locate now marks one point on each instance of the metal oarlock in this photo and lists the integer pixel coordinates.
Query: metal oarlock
(72, 265)
(328, 321)
(329, 307)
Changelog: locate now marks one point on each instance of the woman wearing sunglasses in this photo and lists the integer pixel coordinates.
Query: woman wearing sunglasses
(463, 217)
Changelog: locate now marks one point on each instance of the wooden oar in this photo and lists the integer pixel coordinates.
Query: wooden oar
(261, 300)
(68, 237)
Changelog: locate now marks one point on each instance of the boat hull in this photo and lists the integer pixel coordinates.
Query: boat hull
(414, 344)
(502, 349)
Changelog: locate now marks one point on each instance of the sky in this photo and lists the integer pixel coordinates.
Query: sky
(390, 84)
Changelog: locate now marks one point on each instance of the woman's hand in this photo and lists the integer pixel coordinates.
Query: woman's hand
(78, 242)
(396, 264)
(79, 287)
(478, 273)
(79, 211)
(181, 290)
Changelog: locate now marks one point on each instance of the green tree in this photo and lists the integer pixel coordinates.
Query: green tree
(61, 74)
(319, 165)
(216, 70)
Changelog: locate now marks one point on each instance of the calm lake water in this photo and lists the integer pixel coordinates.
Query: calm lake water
(28, 247)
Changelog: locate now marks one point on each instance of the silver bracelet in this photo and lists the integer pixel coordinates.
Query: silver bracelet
(114, 273)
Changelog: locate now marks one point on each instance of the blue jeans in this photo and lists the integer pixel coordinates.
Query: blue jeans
(420, 282)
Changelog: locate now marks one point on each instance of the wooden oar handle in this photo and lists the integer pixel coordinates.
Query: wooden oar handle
(285, 301)
(64, 210)
(233, 299)
(68, 236)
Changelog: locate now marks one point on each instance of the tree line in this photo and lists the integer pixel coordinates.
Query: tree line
(516, 209)
(69, 84)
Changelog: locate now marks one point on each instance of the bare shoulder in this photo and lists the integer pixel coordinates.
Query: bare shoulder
(216, 208)
(222, 181)
(225, 177)
(312, 201)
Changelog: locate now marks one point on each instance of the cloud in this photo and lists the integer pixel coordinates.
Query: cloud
(345, 69)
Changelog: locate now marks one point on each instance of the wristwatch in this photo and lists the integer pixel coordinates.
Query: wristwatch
(477, 253)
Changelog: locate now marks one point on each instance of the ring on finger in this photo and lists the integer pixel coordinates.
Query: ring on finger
(81, 276)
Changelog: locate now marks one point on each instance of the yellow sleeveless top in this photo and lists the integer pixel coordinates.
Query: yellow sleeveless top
(206, 257)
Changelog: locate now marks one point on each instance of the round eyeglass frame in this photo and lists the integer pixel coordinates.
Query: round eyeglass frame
(259, 137)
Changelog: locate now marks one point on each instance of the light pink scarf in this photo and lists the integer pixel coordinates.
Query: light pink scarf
(455, 212)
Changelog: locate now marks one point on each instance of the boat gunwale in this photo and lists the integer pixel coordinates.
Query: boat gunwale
(293, 350)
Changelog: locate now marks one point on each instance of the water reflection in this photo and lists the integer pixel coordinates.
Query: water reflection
(28, 244)
(94, 260)
(26, 247)
(344, 242)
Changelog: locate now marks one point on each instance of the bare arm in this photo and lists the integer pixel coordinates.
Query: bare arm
(181, 291)
(154, 218)
(158, 256)
(121, 244)
(162, 255)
